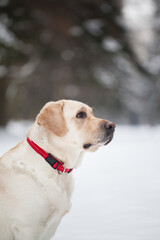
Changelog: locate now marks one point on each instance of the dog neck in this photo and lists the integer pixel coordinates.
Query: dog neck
(56, 146)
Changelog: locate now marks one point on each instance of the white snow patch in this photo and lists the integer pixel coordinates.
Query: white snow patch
(93, 26)
(138, 20)
(117, 188)
(110, 44)
(106, 78)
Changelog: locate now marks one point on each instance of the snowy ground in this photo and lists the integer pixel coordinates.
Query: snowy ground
(117, 189)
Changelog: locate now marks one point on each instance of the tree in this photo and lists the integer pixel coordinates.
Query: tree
(70, 49)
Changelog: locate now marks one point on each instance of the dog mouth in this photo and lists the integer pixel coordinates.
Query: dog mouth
(102, 142)
(88, 145)
(109, 140)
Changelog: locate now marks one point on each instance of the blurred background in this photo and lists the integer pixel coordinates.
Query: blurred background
(105, 53)
(102, 52)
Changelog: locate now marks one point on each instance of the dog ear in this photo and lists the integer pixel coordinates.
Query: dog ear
(51, 118)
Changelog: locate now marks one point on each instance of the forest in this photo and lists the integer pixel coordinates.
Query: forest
(105, 53)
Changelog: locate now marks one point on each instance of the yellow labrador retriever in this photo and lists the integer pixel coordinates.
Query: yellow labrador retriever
(35, 176)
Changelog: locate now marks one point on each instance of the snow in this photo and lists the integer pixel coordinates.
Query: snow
(117, 188)
(138, 19)
(105, 78)
(110, 44)
(138, 14)
(93, 26)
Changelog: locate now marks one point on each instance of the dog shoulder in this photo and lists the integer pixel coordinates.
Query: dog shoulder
(13, 152)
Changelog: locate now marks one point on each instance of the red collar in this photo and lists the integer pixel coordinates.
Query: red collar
(56, 164)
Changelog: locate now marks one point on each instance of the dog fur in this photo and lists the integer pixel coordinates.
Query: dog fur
(33, 196)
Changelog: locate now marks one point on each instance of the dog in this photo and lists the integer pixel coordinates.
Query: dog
(36, 181)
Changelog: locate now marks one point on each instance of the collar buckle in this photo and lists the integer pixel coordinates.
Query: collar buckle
(52, 161)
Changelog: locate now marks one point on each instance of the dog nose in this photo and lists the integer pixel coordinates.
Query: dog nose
(109, 126)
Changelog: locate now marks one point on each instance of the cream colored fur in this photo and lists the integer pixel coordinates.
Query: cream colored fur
(33, 196)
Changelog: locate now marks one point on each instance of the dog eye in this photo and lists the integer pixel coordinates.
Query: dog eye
(81, 115)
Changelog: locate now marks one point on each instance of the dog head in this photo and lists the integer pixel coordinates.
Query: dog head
(75, 124)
